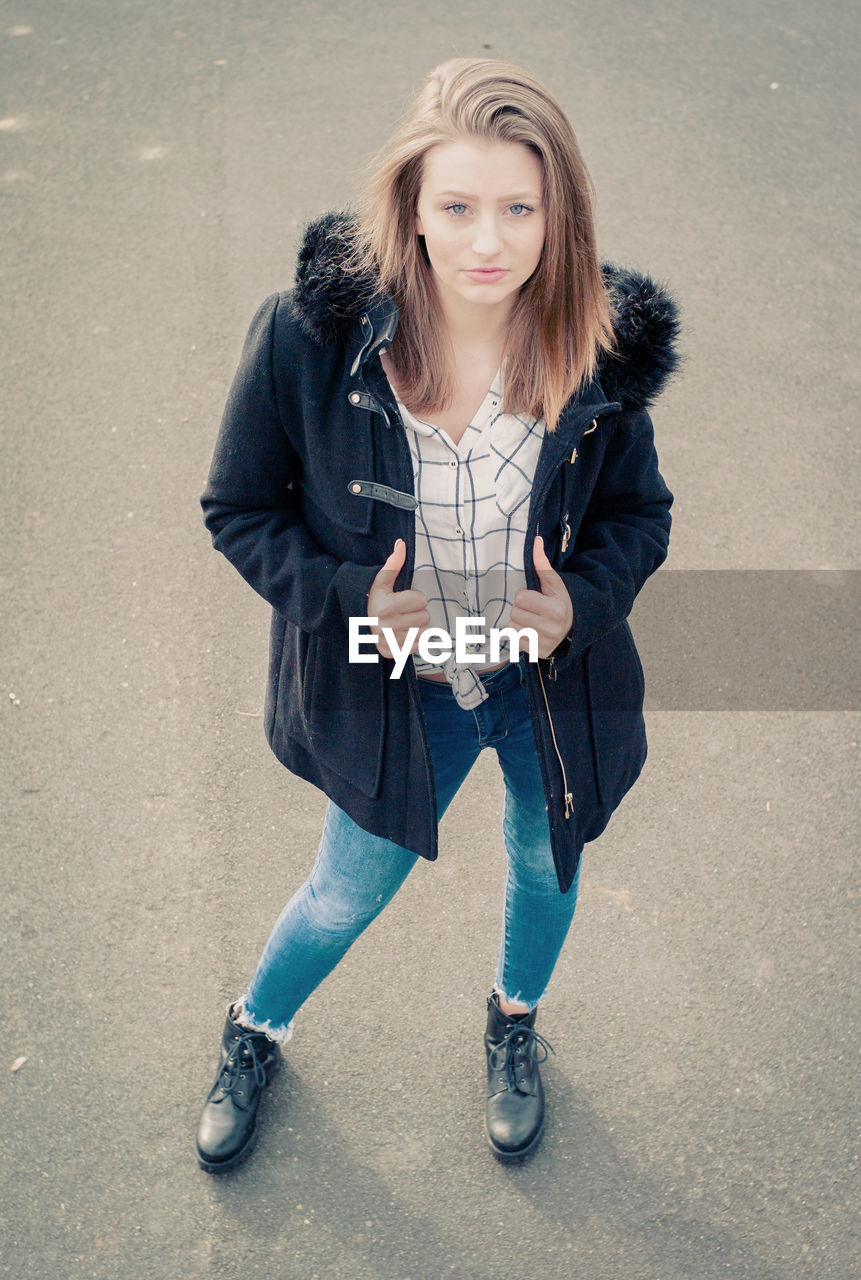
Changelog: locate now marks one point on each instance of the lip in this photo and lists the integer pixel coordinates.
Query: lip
(487, 274)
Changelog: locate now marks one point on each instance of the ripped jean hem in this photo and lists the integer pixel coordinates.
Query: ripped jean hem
(280, 1035)
(515, 999)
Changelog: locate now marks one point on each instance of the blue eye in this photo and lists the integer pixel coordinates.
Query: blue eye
(458, 208)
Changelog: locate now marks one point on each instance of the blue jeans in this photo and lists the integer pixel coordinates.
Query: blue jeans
(356, 873)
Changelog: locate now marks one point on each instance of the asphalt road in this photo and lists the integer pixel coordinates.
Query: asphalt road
(158, 162)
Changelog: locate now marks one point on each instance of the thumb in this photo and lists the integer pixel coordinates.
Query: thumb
(546, 573)
(390, 570)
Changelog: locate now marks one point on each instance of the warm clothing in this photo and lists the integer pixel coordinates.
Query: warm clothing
(356, 874)
(310, 486)
(473, 502)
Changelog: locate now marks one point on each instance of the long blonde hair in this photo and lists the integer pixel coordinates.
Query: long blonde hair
(561, 321)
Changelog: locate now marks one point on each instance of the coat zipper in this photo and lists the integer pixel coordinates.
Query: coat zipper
(569, 798)
(551, 662)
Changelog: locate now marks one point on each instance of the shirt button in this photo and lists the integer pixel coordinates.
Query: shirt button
(355, 398)
(459, 532)
(452, 464)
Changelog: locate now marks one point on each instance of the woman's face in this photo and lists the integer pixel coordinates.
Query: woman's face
(481, 212)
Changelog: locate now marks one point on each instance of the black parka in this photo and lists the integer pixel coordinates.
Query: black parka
(311, 484)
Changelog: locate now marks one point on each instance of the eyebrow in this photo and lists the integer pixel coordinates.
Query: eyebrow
(520, 195)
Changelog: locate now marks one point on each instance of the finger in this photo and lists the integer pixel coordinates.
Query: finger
(539, 555)
(400, 623)
(382, 646)
(411, 600)
(551, 583)
(398, 638)
(532, 603)
(552, 617)
(525, 596)
(390, 570)
(394, 606)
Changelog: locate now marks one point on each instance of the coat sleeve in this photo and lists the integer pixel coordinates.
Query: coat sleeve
(622, 539)
(251, 501)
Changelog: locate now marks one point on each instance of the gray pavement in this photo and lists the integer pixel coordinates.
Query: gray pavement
(158, 162)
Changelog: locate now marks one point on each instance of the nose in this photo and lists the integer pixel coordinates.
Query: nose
(487, 240)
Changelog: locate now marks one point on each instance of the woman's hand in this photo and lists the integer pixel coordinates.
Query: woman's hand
(548, 612)
(397, 610)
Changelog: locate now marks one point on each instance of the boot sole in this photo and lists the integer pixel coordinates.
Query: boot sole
(224, 1166)
(514, 1157)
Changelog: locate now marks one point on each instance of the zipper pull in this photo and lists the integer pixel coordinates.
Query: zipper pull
(551, 668)
(573, 457)
(566, 536)
(569, 804)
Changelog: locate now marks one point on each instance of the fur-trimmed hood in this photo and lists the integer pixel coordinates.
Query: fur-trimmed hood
(327, 299)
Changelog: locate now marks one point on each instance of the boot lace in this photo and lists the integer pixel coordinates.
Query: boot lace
(243, 1055)
(519, 1046)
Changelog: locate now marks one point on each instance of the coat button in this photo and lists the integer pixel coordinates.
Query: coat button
(355, 398)
(357, 488)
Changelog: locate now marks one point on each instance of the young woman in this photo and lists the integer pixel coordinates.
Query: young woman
(445, 418)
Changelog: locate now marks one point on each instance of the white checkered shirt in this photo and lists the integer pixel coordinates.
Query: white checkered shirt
(473, 501)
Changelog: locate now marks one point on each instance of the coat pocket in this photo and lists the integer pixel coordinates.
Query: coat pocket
(345, 709)
(615, 690)
(334, 708)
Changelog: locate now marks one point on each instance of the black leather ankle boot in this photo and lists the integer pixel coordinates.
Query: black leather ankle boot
(514, 1115)
(228, 1121)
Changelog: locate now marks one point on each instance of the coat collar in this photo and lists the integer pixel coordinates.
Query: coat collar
(334, 304)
